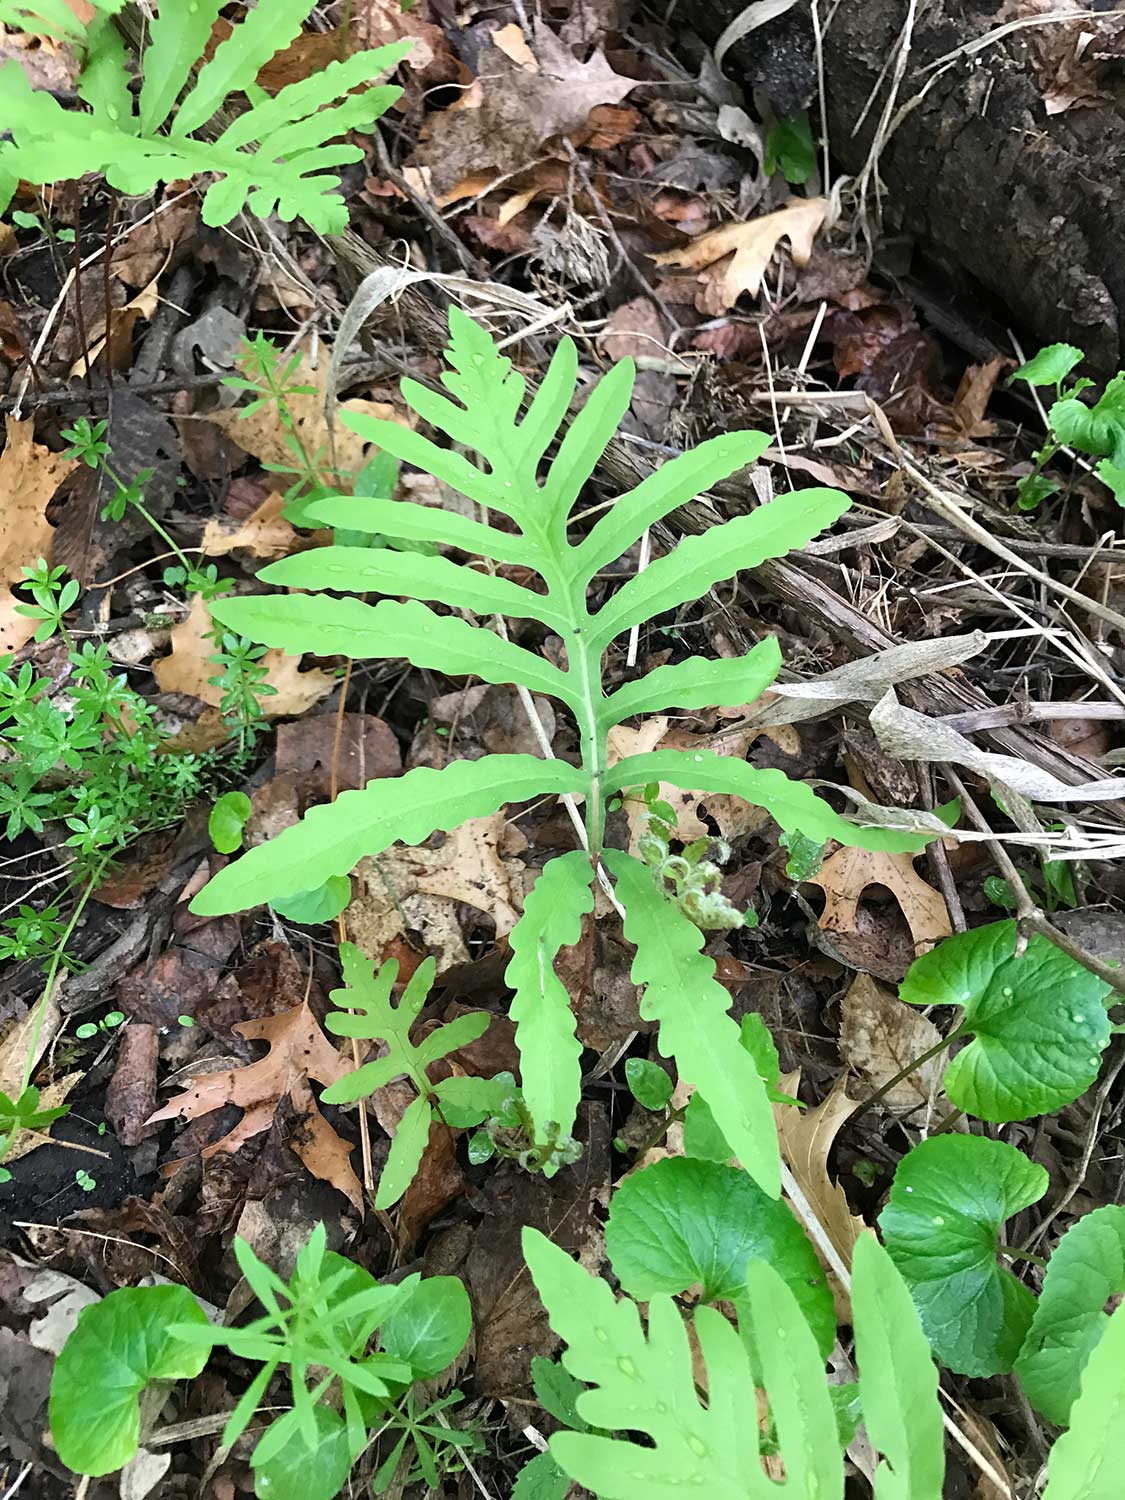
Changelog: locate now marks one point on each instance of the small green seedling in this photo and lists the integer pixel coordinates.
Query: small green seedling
(1097, 431)
(85, 1181)
(108, 1022)
(790, 147)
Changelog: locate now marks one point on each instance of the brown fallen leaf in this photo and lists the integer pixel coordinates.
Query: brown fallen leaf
(750, 247)
(261, 434)
(635, 329)
(29, 476)
(262, 534)
(420, 889)
(299, 1051)
(847, 874)
(511, 109)
(879, 1035)
(113, 336)
(189, 669)
(806, 1138)
(366, 750)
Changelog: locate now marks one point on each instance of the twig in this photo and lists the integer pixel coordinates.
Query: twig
(1031, 918)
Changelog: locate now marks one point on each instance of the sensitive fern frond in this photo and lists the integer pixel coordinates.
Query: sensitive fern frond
(140, 144)
(526, 501)
(646, 1383)
(368, 1012)
(1086, 1463)
(50, 17)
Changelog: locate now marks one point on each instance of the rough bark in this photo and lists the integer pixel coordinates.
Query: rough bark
(1029, 203)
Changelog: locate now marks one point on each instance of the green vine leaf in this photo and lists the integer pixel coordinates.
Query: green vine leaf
(941, 1226)
(692, 1007)
(679, 1222)
(898, 1380)
(1086, 1463)
(1039, 1021)
(1085, 1271)
(550, 1052)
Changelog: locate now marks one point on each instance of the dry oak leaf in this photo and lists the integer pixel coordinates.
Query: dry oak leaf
(299, 1051)
(262, 534)
(849, 872)
(262, 435)
(750, 247)
(189, 668)
(879, 1035)
(29, 476)
(503, 119)
(806, 1138)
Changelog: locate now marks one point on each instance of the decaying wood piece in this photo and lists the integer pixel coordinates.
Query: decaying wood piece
(996, 168)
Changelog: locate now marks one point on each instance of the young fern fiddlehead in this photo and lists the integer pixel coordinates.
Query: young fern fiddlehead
(485, 416)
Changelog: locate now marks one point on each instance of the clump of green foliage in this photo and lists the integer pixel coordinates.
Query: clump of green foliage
(276, 155)
(1097, 430)
(534, 514)
(318, 1327)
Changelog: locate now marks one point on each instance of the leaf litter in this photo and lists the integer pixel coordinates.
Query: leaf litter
(566, 162)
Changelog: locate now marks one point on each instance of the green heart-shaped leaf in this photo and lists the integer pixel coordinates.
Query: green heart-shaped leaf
(682, 1221)
(1039, 1020)
(941, 1226)
(1087, 1268)
(118, 1346)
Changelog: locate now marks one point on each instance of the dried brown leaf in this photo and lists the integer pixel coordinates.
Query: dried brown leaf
(29, 476)
(806, 1138)
(879, 1035)
(750, 247)
(262, 534)
(849, 872)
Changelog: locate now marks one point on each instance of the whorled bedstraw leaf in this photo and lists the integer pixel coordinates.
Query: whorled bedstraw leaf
(645, 1382)
(898, 1381)
(1087, 1462)
(680, 1222)
(550, 1052)
(331, 839)
(1086, 1269)
(1039, 1021)
(118, 1346)
(941, 1226)
(692, 1007)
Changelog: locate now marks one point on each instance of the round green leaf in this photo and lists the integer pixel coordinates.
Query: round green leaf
(118, 1346)
(1039, 1020)
(298, 1472)
(1086, 1270)
(648, 1083)
(1050, 366)
(428, 1328)
(681, 1221)
(941, 1226)
(227, 820)
(321, 905)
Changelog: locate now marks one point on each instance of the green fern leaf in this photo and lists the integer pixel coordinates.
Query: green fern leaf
(698, 562)
(1087, 1461)
(290, 171)
(268, 28)
(378, 570)
(792, 804)
(177, 37)
(348, 627)
(333, 838)
(371, 1014)
(727, 683)
(647, 1384)
(53, 17)
(420, 523)
(696, 1029)
(549, 1050)
(898, 1380)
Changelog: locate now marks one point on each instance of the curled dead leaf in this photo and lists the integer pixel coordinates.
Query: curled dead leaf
(806, 1138)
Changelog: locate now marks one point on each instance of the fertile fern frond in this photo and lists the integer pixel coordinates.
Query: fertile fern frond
(141, 142)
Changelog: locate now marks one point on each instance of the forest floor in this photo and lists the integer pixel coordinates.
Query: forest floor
(548, 196)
